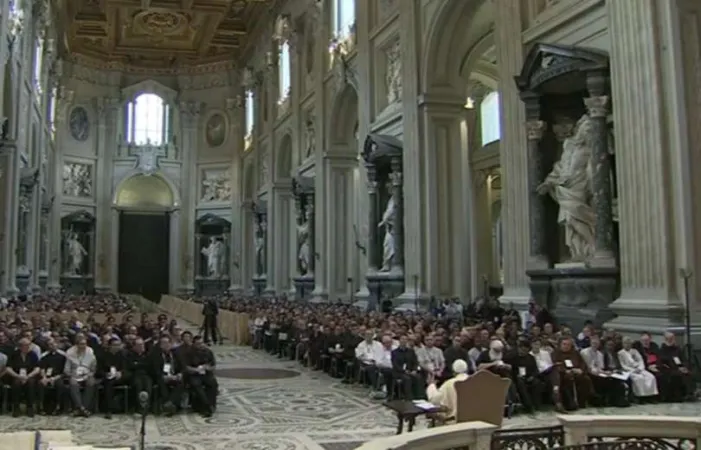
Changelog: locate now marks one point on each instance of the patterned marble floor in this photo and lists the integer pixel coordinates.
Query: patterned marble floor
(306, 412)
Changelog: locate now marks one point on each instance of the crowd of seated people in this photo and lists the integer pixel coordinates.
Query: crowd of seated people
(90, 353)
(409, 355)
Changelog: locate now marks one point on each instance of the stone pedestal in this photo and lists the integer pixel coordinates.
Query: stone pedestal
(260, 282)
(211, 286)
(383, 285)
(77, 284)
(575, 294)
(304, 287)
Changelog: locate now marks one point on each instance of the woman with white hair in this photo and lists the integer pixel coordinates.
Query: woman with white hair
(643, 382)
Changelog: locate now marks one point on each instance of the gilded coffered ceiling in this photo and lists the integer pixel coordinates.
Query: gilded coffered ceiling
(160, 33)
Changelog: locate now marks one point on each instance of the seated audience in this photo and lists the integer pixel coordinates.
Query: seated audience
(80, 369)
(575, 387)
(23, 371)
(199, 365)
(51, 388)
(676, 375)
(167, 373)
(407, 371)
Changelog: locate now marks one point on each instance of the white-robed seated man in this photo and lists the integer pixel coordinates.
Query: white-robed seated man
(643, 381)
(365, 353)
(446, 396)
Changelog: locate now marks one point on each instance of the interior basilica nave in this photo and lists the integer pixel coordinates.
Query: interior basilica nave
(355, 149)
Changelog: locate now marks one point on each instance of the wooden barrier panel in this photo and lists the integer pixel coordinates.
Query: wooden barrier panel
(232, 325)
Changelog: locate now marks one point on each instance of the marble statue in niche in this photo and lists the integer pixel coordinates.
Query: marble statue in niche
(569, 184)
(216, 130)
(387, 223)
(393, 78)
(77, 180)
(76, 252)
(259, 245)
(215, 257)
(79, 124)
(216, 186)
(303, 235)
(310, 136)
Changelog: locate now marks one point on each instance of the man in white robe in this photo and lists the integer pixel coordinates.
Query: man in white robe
(446, 396)
(643, 382)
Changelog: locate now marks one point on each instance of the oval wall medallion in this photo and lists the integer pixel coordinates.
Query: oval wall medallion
(79, 124)
(216, 130)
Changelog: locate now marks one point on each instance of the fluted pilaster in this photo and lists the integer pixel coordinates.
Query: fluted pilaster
(513, 157)
(648, 274)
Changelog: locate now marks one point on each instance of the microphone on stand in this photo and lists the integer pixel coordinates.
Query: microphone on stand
(143, 402)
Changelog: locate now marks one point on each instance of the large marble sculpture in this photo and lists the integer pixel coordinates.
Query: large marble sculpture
(565, 92)
(214, 253)
(260, 239)
(569, 183)
(78, 231)
(77, 253)
(385, 249)
(303, 191)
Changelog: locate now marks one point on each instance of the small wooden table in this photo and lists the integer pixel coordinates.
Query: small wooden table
(407, 410)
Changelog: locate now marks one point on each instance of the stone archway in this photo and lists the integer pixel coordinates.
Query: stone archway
(145, 235)
(450, 263)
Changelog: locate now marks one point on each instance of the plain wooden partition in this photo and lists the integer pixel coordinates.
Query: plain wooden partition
(232, 325)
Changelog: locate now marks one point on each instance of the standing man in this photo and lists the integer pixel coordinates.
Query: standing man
(210, 311)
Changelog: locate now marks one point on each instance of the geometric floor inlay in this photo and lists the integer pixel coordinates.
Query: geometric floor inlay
(259, 410)
(257, 374)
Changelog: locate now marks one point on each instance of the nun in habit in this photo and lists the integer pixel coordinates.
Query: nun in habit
(643, 382)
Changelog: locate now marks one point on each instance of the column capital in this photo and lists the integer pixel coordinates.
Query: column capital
(535, 129)
(597, 106)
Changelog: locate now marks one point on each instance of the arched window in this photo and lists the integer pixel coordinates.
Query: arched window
(250, 113)
(38, 64)
(342, 18)
(489, 118)
(285, 78)
(148, 120)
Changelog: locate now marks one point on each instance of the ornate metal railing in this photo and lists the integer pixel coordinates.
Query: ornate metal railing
(543, 438)
(641, 443)
(619, 444)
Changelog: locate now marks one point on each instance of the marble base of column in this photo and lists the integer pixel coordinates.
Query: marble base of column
(235, 289)
(603, 259)
(646, 314)
(538, 263)
(412, 300)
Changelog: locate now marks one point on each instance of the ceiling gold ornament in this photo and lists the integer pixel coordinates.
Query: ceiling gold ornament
(160, 34)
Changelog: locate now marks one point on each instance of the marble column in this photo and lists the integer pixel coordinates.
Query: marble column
(538, 253)
(281, 235)
(509, 47)
(12, 219)
(114, 247)
(190, 118)
(651, 290)
(602, 201)
(311, 214)
(103, 190)
(33, 199)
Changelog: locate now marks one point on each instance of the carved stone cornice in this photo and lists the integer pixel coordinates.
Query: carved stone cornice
(121, 68)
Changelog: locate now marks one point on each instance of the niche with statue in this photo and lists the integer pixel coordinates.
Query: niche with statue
(385, 249)
(303, 191)
(212, 266)
(77, 252)
(259, 212)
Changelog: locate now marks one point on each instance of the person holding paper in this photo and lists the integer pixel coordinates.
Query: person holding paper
(113, 371)
(167, 373)
(575, 386)
(405, 366)
(618, 394)
(679, 384)
(23, 371)
(526, 376)
(446, 396)
(643, 382)
(80, 369)
(199, 372)
(607, 389)
(547, 372)
(365, 353)
(51, 388)
(383, 361)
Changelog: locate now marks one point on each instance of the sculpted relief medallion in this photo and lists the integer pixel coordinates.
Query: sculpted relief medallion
(216, 130)
(216, 185)
(79, 124)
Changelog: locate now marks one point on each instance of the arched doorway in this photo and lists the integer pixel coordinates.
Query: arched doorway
(460, 168)
(145, 207)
